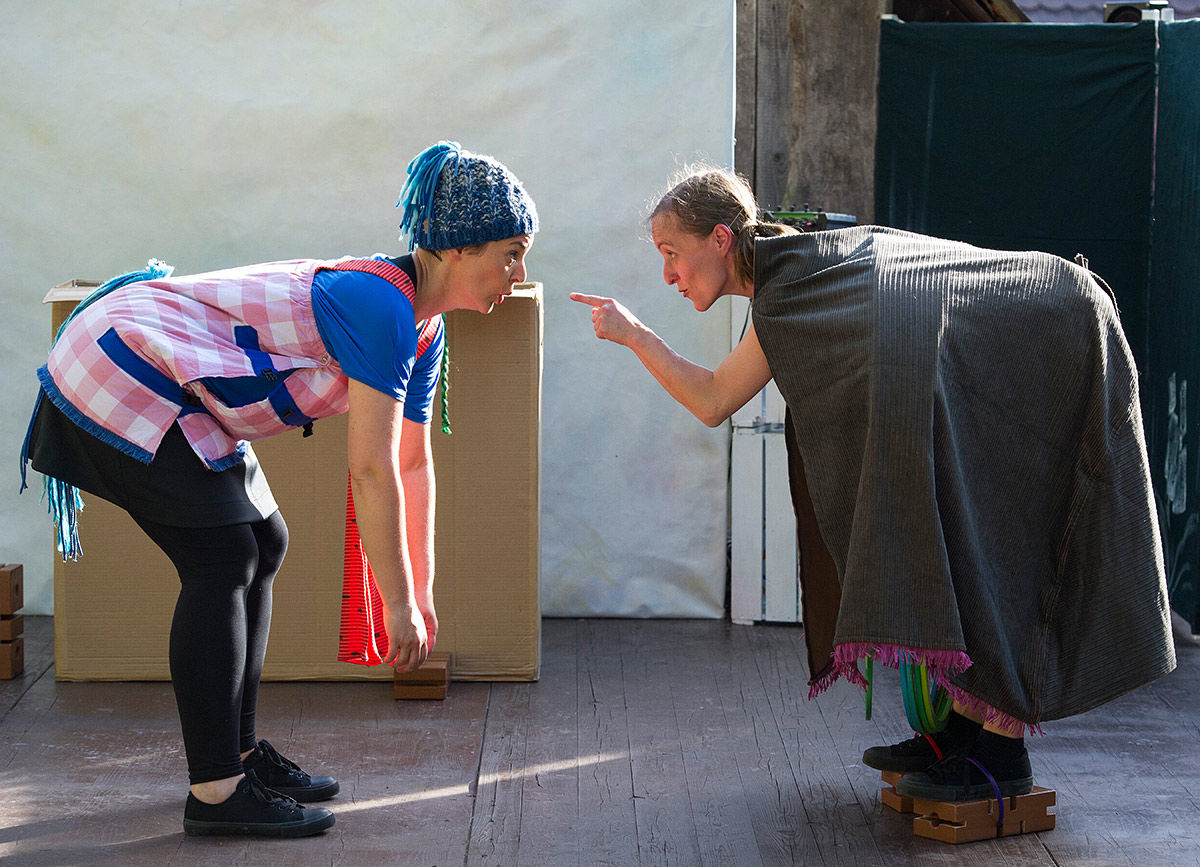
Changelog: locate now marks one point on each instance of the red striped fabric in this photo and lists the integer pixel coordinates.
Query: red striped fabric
(363, 637)
(394, 274)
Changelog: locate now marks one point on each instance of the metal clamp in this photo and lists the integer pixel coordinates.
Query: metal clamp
(760, 426)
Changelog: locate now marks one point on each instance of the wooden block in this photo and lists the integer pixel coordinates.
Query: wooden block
(430, 691)
(430, 681)
(11, 626)
(12, 658)
(436, 669)
(891, 798)
(12, 591)
(969, 821)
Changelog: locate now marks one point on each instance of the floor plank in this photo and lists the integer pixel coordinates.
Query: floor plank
(718, 798)
(774, 799)
(38, 655)
(605, 807)
(836, 816)
(644, 742)
(666, 833)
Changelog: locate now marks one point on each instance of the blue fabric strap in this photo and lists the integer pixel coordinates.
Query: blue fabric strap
(281, 399)
(247, 340)
(145, 373)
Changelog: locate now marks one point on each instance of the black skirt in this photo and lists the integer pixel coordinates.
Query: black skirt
(176, 488)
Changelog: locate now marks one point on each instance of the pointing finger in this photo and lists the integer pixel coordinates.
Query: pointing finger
(590, 300)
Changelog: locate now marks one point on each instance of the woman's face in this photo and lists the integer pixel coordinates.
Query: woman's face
(487, 273)
(699, 265)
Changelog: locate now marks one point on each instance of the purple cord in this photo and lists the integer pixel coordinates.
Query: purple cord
(996, 787)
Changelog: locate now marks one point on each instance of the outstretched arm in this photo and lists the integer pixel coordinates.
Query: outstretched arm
(710, 395)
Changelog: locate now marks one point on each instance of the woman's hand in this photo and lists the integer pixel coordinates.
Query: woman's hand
(610, 318)
(425, 606)
(408, 639)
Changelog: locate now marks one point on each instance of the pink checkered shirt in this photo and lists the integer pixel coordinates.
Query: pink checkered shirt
(130, 362)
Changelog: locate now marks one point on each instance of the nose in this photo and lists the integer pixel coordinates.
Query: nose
(518, 274)
(670, 276)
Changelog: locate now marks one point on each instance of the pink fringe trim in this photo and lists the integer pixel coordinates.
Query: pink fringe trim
(943, 664)
(999, 719)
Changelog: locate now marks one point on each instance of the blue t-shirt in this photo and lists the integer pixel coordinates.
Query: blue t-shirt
(369, 328)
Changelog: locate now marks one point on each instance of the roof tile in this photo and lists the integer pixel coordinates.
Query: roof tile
(1089, 11)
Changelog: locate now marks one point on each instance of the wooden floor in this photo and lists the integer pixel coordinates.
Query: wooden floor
(644, 742)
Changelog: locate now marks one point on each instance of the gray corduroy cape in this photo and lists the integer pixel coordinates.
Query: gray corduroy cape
(967, 424)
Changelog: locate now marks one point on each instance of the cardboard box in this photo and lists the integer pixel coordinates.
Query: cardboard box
(112, 608)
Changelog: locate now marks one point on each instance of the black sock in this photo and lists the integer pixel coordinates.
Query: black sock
(1004, 757)
(959, 733)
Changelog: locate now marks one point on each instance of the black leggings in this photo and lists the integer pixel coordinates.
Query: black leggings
(219, 634)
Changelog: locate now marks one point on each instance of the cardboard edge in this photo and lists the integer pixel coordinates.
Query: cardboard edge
(71, 290)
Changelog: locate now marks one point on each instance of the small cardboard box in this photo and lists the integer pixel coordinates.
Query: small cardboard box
(112, 608)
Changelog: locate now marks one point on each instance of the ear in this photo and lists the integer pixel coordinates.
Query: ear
(723, 236)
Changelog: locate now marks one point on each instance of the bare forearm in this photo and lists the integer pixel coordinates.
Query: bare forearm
(688, 383)
(379, 507)
(710, 395)
(420, 494)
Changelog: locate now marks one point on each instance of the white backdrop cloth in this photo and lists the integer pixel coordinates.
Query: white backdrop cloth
(209, 134)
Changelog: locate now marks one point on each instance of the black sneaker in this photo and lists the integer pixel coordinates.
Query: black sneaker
(253, 810)
(284, 776)
(959, 778)
(914, 754)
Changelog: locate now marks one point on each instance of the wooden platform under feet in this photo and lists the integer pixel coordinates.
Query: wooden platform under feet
(970, 821)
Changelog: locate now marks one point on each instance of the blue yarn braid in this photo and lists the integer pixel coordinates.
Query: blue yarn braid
(417, 195)
(62, 500)
(154, 270)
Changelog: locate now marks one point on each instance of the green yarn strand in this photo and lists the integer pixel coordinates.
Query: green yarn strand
(445, 379)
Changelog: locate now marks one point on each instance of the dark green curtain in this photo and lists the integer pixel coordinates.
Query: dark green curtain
(1173, 350)
(1043, 137)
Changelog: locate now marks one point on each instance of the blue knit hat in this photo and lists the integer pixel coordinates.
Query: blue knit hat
(454, 198)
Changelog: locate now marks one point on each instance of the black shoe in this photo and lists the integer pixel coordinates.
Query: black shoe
(914, 754)
(253, 810)
(958, 778)
(284, 776)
